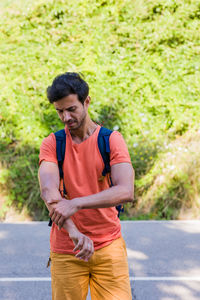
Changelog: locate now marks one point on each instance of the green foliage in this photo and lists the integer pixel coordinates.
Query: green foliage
(140, 58)
(19, 178)
(172, 186)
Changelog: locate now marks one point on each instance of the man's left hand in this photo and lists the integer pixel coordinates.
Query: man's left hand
(62, 211)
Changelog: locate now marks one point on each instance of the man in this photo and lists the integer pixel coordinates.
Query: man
(88, 217)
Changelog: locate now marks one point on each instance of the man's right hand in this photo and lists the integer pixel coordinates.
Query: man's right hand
(82, 243)
(49, 180)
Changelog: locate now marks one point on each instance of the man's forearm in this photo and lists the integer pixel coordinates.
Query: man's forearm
(69, 225)
(49, 195)
(82, 243)
(49, 180)
(113, 196)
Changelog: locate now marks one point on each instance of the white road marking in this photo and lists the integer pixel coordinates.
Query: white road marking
(194, 222)
(25, 279)
(11, 279)
(164, 278)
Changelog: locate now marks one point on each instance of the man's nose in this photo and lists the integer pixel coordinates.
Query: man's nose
(66, 116)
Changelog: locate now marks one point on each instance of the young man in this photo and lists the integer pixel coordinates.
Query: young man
(88, 217)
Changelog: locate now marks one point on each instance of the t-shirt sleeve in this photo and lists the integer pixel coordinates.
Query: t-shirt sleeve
(118, 149)
(48, 149)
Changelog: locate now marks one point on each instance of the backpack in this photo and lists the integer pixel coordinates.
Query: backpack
(104, 149)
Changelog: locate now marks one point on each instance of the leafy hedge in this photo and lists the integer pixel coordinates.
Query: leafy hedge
(140, 58)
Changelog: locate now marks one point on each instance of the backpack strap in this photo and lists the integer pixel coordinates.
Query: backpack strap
(60, 149)
(60, 152)
(104, 148)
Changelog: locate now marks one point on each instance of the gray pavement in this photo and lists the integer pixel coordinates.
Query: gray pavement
(164, 260)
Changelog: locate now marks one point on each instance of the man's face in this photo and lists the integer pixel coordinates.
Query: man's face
(71, 111)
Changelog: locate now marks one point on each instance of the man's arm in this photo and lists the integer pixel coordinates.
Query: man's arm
(49, 180)
(122, 191)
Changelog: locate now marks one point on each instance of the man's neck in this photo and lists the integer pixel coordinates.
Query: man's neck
(85, 131)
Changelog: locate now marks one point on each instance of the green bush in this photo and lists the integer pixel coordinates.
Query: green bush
(140, 58)
(172, 186)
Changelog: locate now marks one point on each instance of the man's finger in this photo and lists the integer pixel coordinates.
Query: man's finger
(85, 251)
(84, 254)
(81, 254)
(53, 216)
(79, 245)
(51, 213)
(57, 218)
(61, 222)
(90, 250)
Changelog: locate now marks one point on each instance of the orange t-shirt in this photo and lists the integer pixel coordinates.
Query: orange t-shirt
(83, 166)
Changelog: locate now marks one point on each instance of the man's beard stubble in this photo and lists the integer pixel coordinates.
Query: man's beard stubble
(80, 123)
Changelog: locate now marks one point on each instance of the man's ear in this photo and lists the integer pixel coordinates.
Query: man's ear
(87, 102)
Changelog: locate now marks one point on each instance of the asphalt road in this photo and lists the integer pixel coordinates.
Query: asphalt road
(164, 260)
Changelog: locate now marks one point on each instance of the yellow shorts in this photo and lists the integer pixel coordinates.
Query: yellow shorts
(106, 272)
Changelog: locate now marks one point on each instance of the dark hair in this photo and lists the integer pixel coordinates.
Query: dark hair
(65, 84)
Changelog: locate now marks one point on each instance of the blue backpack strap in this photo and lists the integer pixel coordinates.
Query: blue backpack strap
(60, 149)
(60, 152)
(104, 148)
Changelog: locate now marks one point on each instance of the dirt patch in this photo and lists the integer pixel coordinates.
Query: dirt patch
(10, 214)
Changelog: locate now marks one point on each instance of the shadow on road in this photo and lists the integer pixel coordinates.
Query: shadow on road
(164, 249)
(155, 249)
